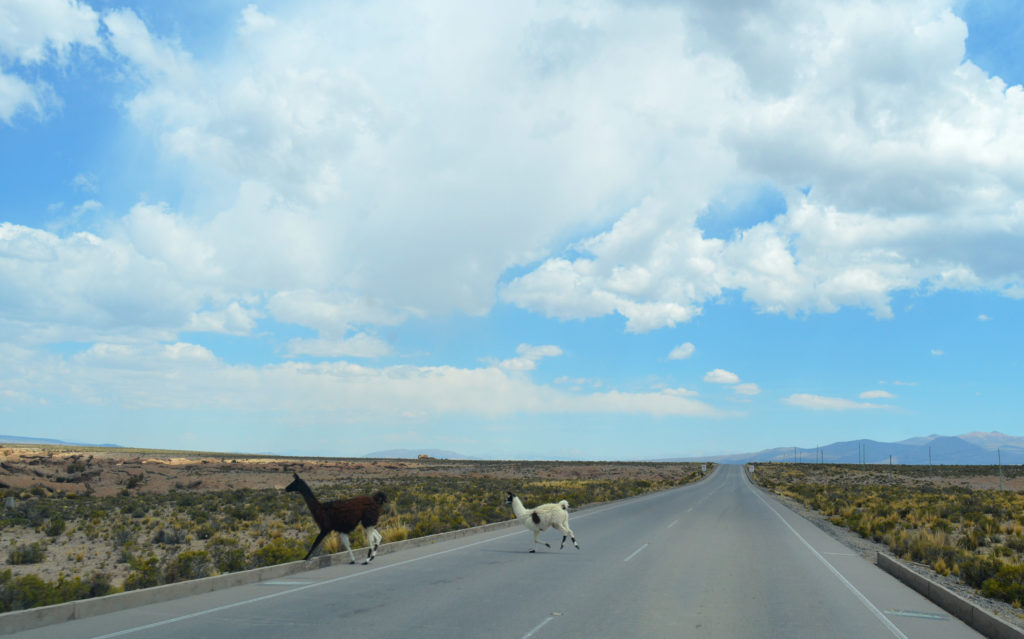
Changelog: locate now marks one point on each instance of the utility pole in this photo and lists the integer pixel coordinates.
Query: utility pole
(999, 454)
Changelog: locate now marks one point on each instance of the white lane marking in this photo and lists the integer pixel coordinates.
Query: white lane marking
(689, 509)
(635, 552)
(537, 627)
(864, 600)
(673, 523)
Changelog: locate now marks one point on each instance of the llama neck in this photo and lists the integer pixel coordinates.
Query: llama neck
(517, 507)
(311, 500)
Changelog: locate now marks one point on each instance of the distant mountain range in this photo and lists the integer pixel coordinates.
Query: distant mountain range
(971, 449)
(413, 453)
(14, 439)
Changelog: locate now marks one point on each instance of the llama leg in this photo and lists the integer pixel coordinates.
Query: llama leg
(536, 535)
(567, 532)
(348, 546)
(319, 538)
(571, 536)
(372, 541)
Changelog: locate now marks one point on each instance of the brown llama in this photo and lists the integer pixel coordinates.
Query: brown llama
(343, 515)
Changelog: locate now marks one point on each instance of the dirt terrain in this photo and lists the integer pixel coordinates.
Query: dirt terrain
(107, 471)
(133, 504)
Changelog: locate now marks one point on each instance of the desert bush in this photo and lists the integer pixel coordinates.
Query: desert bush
(190, 564)
(226, 554)
(278, 551)
(29, 591)
(55, 527)
(26, 591)
(27, 554)
(1007, 584)
(145, 573)
(172, 536)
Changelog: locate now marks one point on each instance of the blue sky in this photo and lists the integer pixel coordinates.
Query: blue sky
(611, 231)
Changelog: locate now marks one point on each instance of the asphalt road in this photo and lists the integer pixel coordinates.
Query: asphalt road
(714, 559)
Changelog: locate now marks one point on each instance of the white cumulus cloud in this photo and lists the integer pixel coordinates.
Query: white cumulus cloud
(683, 351)
(721, 376)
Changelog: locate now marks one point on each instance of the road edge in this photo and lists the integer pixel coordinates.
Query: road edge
(981, 620)
(977, 618)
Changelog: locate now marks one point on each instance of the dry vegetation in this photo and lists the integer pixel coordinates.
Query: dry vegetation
(954, 519)
(77, 523)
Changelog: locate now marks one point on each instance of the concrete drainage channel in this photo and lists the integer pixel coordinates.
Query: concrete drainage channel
(19, 620)
(981, 620)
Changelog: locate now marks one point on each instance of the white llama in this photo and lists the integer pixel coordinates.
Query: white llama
(543, 517)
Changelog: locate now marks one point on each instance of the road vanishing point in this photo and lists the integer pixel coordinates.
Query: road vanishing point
(716, 559)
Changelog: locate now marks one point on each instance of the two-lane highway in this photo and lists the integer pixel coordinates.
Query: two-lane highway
(714, 559)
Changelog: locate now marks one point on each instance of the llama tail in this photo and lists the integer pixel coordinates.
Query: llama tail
(564, 504)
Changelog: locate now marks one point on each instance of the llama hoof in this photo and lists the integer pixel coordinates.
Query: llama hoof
(353, 562)
(534, 550)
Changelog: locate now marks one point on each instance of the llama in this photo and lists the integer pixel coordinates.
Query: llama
(542, 517)
(343, 516)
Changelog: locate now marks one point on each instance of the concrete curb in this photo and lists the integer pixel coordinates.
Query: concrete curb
(19, 620)
(981, 620)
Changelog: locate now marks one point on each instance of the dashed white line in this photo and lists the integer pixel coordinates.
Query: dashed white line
(673, 523)
(635, 553)
(537, 627)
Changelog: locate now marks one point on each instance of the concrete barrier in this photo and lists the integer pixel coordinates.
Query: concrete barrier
(981, 620)
(19, 620)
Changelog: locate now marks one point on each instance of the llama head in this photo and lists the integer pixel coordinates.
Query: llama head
(296, 485)
(508, 500)
(380, 498)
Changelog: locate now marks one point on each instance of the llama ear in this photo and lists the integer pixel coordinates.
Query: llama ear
(295, 475)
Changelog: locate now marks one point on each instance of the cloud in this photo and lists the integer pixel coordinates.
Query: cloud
(85, 182)
(683, 351)
(818, 402)
(18, 95)
(528, 357)
(82, 287)
(154, 56)
(383, 179)
(34, 33)
(748, 388)
(232, 320)
(876, 394)
(910, 189)
(720, 376)
(937, 352)
(180, 375)
(359, 345)
(984, 318)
